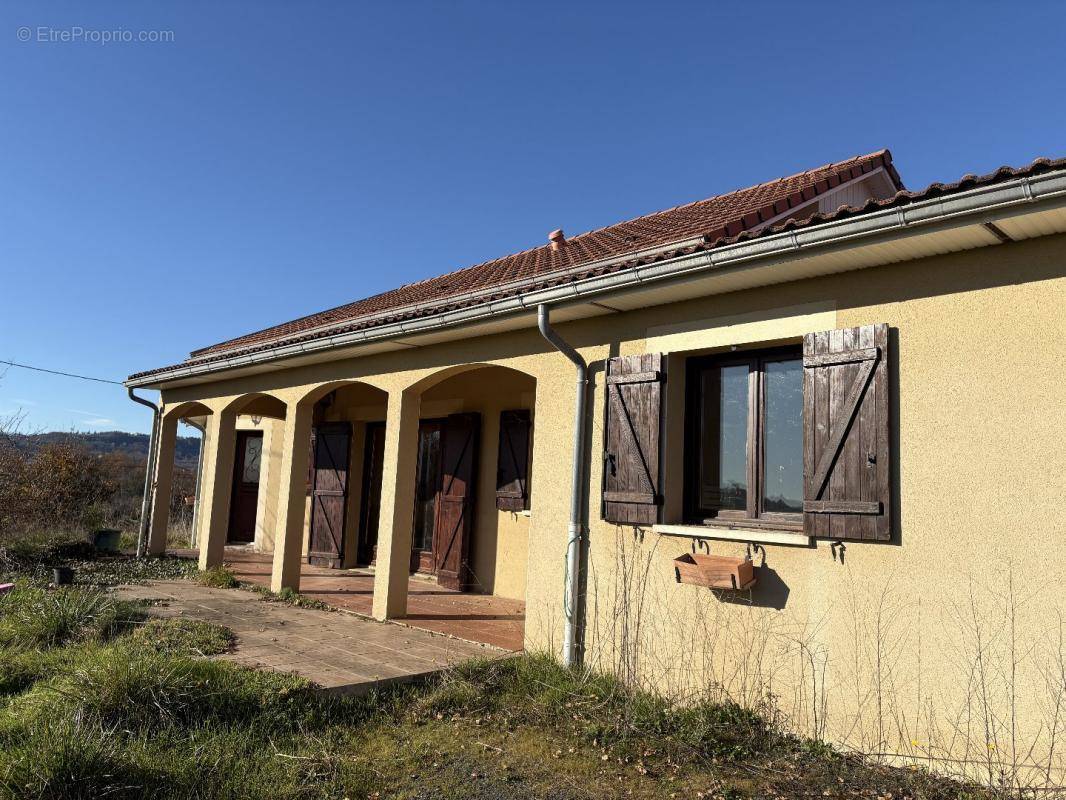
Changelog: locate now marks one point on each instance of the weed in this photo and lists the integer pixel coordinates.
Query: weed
(134, 688)
(183, 637)
(32, 560)
(20, 668)
(288, 596)
(69, 759)
(598, 709)
(33, 617)
(218, 578)
(136, 711)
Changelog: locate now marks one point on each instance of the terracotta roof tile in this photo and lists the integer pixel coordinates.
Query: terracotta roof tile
(740, 210)
(714, 222)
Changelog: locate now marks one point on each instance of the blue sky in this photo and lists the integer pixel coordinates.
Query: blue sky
(275, 159)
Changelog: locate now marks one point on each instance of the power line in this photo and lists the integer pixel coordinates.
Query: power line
(57, 372)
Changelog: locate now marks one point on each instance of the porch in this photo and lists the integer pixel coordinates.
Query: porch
(481, 618)
(402, 502)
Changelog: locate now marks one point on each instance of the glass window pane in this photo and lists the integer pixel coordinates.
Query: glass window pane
(426, 487)
(723, 456)
(783, 469)
(253, 452)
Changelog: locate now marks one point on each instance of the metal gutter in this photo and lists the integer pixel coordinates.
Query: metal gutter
(980, 204)
(573, 603)
(497, 287)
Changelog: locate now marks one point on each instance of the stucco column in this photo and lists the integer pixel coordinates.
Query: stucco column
(292, 498)
(217, 487)
(397, 506)
(163, 483)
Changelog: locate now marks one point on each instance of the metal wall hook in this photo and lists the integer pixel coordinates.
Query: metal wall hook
(754, 549)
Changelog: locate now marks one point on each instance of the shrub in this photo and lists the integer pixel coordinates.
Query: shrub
(64, 485)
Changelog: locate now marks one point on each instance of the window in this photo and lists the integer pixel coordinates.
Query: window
(427, 483)
(253, 453)
(744, 439)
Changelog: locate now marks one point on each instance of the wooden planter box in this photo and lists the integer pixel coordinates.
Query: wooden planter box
(716, 572)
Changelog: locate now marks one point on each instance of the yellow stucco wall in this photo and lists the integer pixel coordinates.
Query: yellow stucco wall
(942, 643)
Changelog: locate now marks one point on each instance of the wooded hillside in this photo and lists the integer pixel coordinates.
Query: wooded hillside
(135, 445)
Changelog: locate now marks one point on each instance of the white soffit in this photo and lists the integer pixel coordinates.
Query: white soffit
(1030, 226)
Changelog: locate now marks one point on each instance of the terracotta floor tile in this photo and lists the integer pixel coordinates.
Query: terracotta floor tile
(472, 617)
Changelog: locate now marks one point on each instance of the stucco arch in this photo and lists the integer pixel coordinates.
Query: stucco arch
(259, 404)
(427, 382)
(312, 396)
(187, 410)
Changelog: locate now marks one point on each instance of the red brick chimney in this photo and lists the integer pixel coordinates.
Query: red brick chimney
(557, 239)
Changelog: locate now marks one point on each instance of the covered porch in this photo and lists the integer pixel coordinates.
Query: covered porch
(482, 618)
(407, 503)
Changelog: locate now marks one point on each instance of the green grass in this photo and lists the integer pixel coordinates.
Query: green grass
(97, 701)
(32, 617)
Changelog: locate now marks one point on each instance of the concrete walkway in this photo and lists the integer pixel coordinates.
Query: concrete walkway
(483, 618)
(339, 651)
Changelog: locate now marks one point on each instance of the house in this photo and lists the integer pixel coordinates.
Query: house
(854, 387)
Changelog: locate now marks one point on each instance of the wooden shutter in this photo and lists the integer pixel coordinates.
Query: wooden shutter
(847, 458)
(455, 514)
(318, 416)
(329, 497)
(631, 492)
(310, 463)
(512, 461)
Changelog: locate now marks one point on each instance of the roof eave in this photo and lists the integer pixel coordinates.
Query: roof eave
(1017, 196)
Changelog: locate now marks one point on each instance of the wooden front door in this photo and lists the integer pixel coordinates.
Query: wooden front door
(329, 493)
(373, 467)
(455, 509)
(245, 495)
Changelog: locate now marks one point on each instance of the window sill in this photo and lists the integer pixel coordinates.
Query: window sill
(736, 534)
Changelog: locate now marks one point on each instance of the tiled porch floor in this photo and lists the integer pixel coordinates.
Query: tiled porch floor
(481, 618)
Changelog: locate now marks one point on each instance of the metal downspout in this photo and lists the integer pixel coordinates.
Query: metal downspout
(149, 473)
(572, 655)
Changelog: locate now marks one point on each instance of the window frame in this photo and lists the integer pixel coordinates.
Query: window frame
(754, 515)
